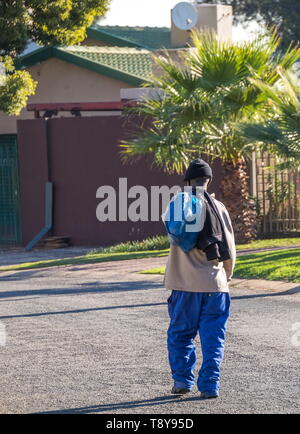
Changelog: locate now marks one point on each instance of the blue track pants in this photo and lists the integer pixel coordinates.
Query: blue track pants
(190, 312)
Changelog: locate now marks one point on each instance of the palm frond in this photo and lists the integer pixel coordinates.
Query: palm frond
(282, 134)
(215, 87)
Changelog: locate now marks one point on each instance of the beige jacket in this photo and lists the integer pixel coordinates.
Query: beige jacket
(191, 271)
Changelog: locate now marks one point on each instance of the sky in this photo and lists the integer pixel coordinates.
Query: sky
(153, 13)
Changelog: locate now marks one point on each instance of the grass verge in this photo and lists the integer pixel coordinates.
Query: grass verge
(86, 259)
(153, 247)
(161, 242)
(274, 242)
(272, 265)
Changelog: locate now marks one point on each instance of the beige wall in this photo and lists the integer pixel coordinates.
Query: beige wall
(60, 81)
(175, 54)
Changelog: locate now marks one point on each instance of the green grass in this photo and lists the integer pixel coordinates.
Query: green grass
(274, 242)
(149, 248)
(156, 270)
(271, 265)
(160, 242)
(89, 258)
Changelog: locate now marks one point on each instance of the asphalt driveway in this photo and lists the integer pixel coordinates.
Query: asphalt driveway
(92, 339)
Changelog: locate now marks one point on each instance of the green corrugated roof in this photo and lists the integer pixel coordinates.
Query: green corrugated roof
(152, 38)
(132, 65)
(127, 58)
(134, 61)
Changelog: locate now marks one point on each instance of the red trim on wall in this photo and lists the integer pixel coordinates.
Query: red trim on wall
(80, 106)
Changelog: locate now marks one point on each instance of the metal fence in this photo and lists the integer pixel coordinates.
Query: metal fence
(277, 196)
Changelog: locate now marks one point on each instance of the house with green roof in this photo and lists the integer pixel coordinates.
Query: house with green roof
(82, 80)
(110, 59)
(72, 81)
(90, 74)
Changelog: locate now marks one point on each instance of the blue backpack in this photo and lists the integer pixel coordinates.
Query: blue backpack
(184, 219)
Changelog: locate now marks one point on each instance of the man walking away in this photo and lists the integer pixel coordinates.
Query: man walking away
(200, 301)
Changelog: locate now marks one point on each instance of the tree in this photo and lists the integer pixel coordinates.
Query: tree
(15, 87)
(46, 22)
(199, 105)
(284, 14)
(281, 133)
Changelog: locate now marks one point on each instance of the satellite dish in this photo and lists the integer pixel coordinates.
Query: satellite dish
(185, 16)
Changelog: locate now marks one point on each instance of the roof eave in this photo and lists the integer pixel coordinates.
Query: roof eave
(101, 35)
(97, 67)
(34, 57)
(45, 53)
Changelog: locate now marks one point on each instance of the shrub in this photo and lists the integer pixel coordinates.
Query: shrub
(158, 242)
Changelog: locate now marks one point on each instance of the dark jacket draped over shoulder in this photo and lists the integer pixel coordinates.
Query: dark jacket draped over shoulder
(212, 239)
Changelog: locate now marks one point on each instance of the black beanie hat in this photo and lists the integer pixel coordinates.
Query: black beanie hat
(198, 168)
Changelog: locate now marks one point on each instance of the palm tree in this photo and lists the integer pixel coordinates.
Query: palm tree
(200, 102)
(280, 134)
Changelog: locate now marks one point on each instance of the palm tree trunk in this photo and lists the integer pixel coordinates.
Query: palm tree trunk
(234, 191)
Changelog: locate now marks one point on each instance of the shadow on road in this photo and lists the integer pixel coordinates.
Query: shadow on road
(129, 306)
(102, 408)
(85, 288)
(92, 309)
(21, 275)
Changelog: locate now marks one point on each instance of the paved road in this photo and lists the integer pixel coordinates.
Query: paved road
(18, 255)
(91, 339)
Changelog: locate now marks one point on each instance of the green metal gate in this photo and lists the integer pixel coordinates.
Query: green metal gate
(9, 191)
